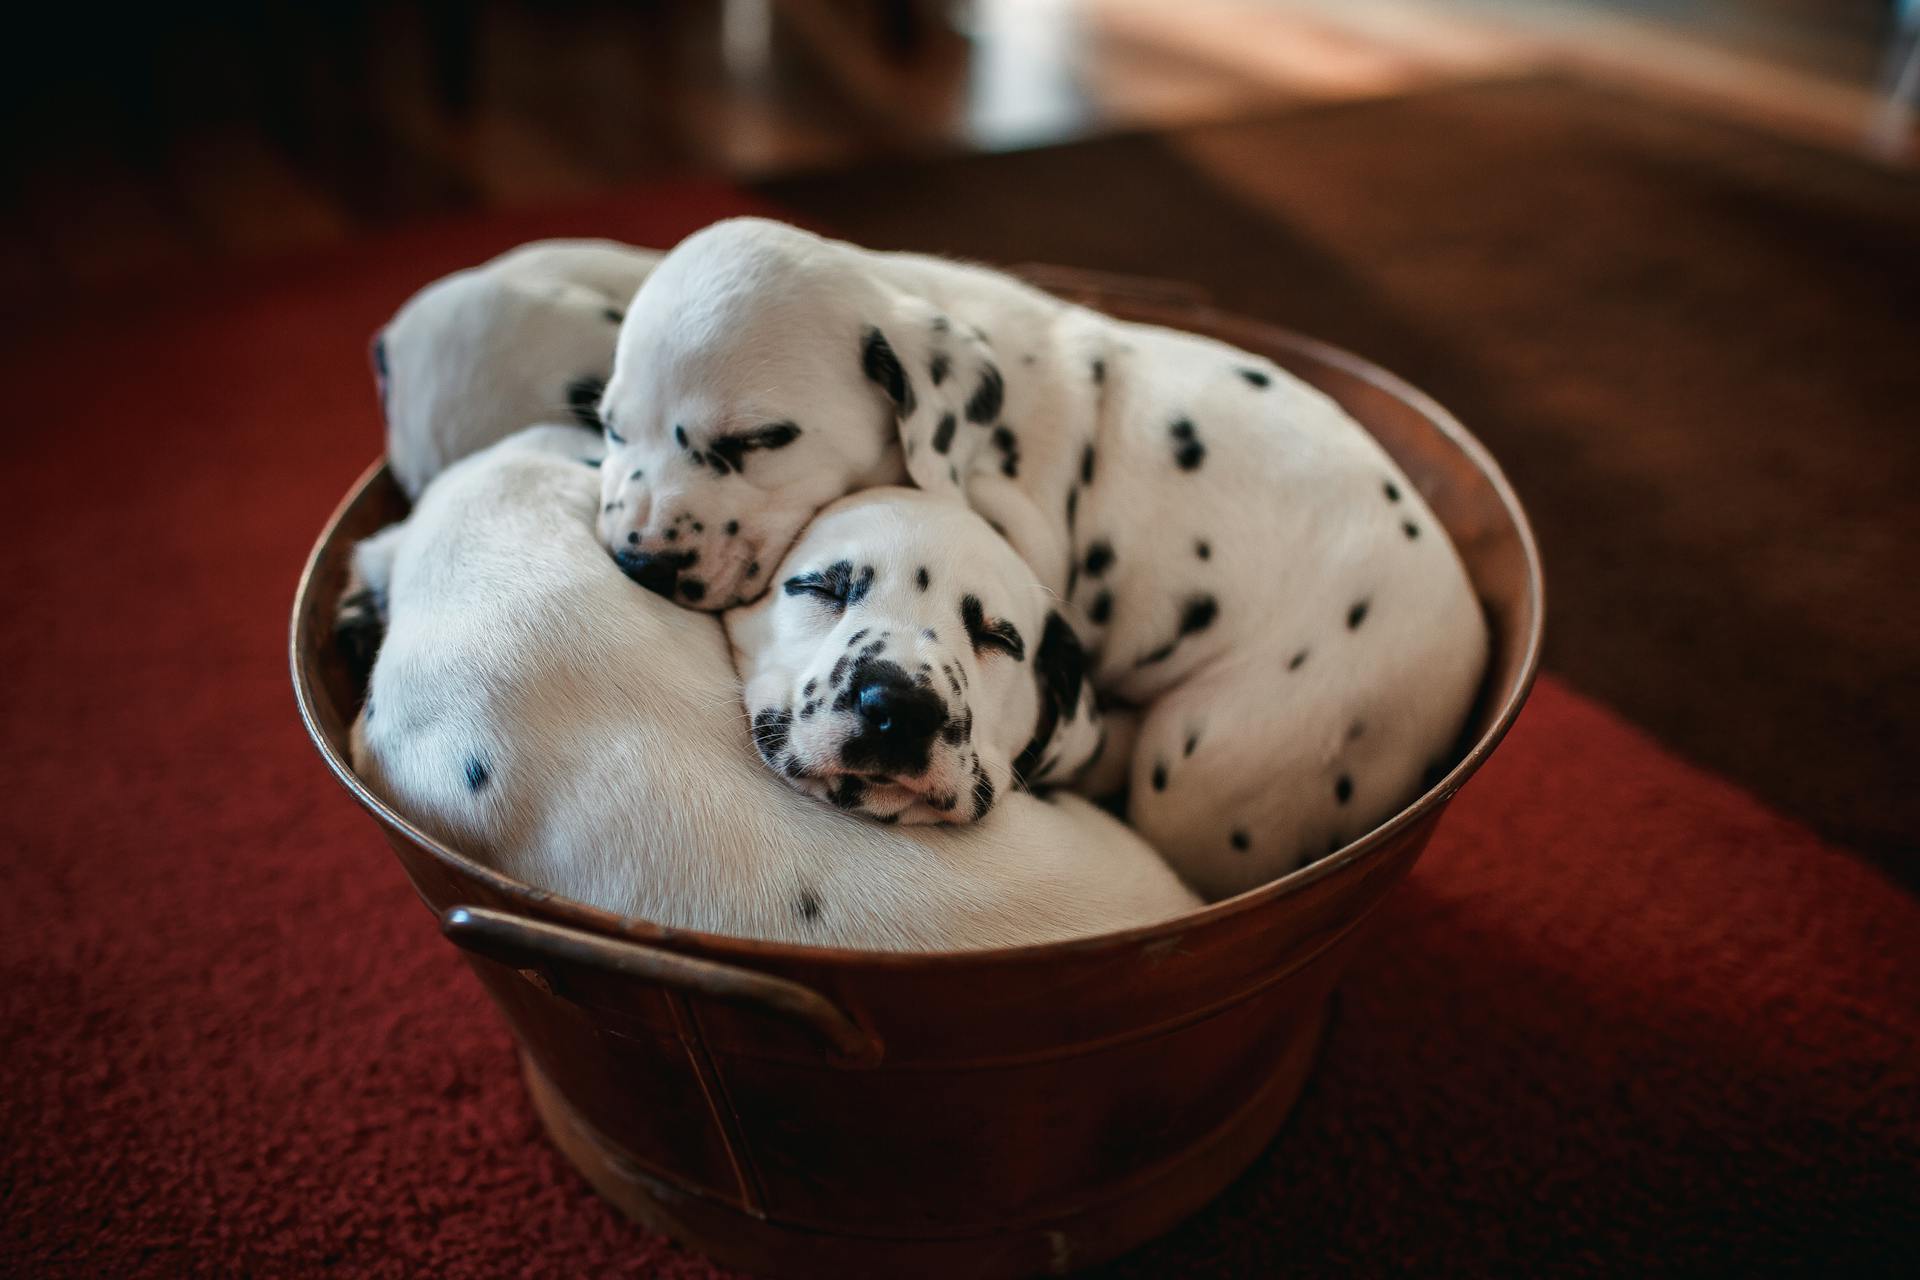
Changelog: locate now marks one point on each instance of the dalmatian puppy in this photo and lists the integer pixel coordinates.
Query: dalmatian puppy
(1247, 566)
(533, 708)
(909, 666)
(525, 338)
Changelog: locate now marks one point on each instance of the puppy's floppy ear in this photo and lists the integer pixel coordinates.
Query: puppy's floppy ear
(943, 386)
(1067, 733)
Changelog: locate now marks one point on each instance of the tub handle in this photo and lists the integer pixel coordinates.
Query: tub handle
(523, 943)
(1107, 286)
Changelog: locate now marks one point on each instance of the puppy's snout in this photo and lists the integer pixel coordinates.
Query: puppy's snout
(893, 708)
(657, 571)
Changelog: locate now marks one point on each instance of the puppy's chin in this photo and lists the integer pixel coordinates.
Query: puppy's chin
(885, 801)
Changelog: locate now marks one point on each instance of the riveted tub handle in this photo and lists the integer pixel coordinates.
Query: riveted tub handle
(523, 943)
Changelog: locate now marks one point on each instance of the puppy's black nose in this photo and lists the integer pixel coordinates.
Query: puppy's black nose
(656, 571)
(893, 707)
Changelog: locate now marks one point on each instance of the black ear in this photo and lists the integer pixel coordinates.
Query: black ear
(1061, 664)
(1066, 736)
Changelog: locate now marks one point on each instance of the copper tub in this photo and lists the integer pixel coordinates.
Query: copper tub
(797, 1111)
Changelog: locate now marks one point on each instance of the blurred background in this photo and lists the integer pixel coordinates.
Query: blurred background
(164, 136)
(1663, 256)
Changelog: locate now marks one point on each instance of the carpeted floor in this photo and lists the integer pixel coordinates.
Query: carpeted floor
(1625, 1018)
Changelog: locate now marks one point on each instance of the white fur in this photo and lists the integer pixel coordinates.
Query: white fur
(749, 322)
(479, 354)
(916, 562)
(605, 731)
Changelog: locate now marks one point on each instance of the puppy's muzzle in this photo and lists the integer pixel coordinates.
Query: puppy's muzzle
(898, 720)
(657, 571)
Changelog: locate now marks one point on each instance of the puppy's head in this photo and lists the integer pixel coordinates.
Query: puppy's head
(908, 664)
(476, 356)
(737, 408)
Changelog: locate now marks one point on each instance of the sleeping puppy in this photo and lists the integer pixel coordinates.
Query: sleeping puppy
(527, 337)
(909, 666)
(537, 711)
(1245, 562)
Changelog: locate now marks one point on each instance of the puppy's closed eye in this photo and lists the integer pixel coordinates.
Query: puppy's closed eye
(837, 584)
(734, 447)
(990, 633)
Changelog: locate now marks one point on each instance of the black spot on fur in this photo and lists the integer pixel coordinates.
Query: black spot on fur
(1203, 549)
(1357, 615)
(806, 690)
(1086, 465)
(583, 401)
(478, 775)
(1160, 776)
(1099, 558)
(1411, 529)
(1294, 663)
(920, 578)
(1199, 614)
(680, 435)
(732, 527)
(808, 905)
(1073, 507)
(857, 637)
(593, 462)
(943, 433)
(771, 726)
(672, 535)
(753, 567)
(613, 315)
(1188, 452)
(883, 367)
(1343, 789)
(1099, 372)
(637, 473)
(1241, 841)
(847, 792)
(693, 589)
(1193, 740)
(937, 369)
(1101, 609)
(957, 730)
(1392, 491)
(982, 791)
(1009, 446)
(732, 449)
(983, 406)
(1255, 377)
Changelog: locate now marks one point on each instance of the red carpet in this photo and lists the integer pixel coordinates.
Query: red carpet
(1623, 1019)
